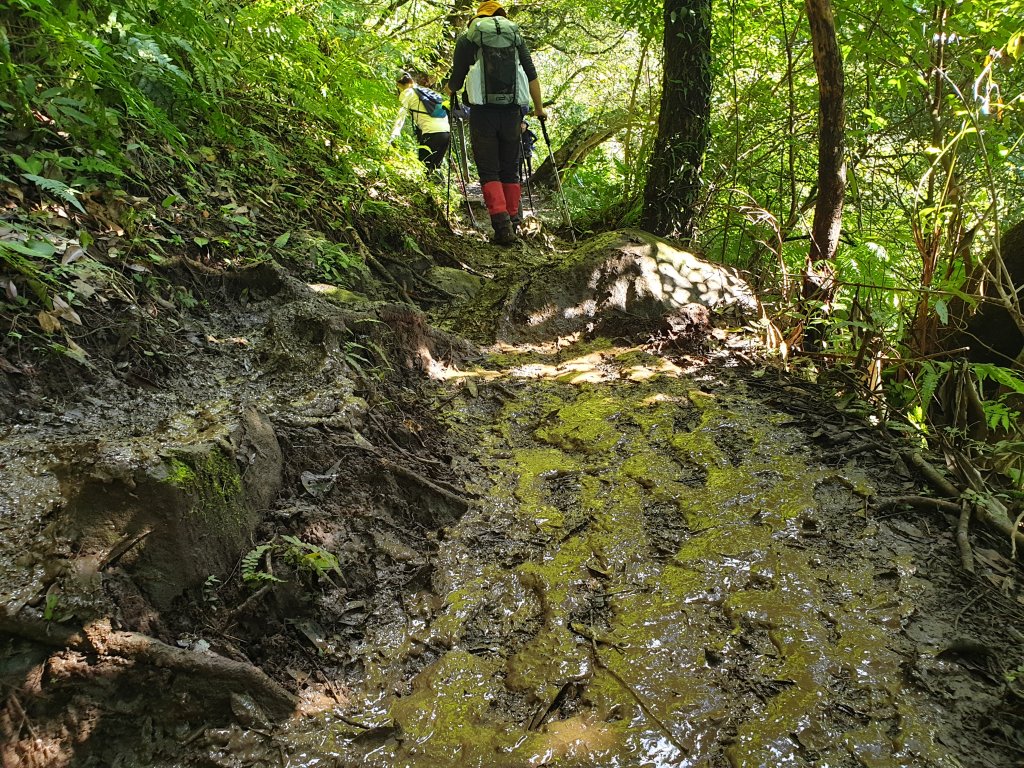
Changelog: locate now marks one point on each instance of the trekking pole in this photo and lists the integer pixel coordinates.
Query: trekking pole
(558, 181)
(464, 154)
(448, 190)
(465, 195)
(461, 146)
(525, 164)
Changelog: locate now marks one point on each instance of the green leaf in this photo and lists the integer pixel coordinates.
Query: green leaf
(942, 311)
(1015, 45)
(56, 188)
(32, 164)
(39, 249)
(282, 240)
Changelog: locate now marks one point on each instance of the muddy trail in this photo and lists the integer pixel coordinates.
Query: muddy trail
(342, 537)
(670, 565)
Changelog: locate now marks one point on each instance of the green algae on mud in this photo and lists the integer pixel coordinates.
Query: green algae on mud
(661, 604)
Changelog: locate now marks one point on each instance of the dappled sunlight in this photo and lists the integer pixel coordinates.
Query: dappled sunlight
(603, 365)
(619, 284)
(579, 739)
(685, 278)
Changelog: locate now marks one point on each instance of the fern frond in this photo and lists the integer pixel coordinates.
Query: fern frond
(252, 571)
(931, 375)
(99, 165)
(55, 188)
(1000, 375)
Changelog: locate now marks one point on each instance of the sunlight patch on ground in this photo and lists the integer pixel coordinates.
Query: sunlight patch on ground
(604, 365)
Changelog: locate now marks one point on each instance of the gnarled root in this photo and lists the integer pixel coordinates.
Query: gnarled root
(100, 638)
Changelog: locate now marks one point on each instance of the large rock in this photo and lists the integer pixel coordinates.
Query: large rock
(165, 511)
(628, 280)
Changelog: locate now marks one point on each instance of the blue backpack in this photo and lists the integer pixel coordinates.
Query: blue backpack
(431, 101)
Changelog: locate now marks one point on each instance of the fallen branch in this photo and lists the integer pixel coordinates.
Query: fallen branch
(437, 487)
(917, 502)
(122, 547)
(100, 638)
(246, 604)
(651, 715)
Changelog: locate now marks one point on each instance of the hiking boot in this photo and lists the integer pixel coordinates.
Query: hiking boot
(504, 233)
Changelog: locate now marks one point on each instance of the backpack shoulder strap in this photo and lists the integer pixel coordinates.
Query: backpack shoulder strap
(419, 100)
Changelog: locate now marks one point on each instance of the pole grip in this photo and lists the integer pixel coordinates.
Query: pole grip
(544, 129)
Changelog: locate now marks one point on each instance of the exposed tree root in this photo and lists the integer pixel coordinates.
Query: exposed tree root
(931, 474)
(100, 638)
(962, 510)
(987, 509)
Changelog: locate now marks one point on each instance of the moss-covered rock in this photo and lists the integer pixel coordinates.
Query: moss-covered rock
(167, 517)
(620, 282)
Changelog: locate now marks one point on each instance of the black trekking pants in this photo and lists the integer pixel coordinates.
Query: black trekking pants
(433, 147)
(494, 135)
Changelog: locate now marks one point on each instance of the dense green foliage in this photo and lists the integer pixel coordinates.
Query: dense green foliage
(231, 120)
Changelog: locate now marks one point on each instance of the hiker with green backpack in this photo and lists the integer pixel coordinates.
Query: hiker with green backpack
(429, 118)
(493, 63)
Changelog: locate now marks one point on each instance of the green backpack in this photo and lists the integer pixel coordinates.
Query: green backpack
(496, 77)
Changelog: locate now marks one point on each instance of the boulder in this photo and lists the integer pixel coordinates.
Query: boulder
(163, 512)
(619, 282)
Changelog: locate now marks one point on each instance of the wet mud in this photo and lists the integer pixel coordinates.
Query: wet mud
(596, 556)
(662, 569)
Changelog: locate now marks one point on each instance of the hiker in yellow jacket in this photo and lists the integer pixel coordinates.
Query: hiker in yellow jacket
(432, 133)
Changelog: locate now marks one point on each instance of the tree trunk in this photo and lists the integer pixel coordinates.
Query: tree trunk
(993, 332)
(673, 181)
(819, 283)
(581, 142)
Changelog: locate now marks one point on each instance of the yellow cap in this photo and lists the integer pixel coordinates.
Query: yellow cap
(490, 8)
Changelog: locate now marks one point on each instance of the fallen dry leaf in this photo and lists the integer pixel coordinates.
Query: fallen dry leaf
(63, 310)
(7, 367)
(72, 254)
(48, 322)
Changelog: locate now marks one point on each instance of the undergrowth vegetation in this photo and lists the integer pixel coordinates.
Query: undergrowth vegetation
(138, 134)
(142, 137)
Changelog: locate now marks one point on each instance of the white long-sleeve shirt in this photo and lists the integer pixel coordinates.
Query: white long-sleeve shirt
(411, 104)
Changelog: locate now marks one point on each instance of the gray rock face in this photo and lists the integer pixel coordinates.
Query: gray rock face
(628, 279)
(157, 514)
